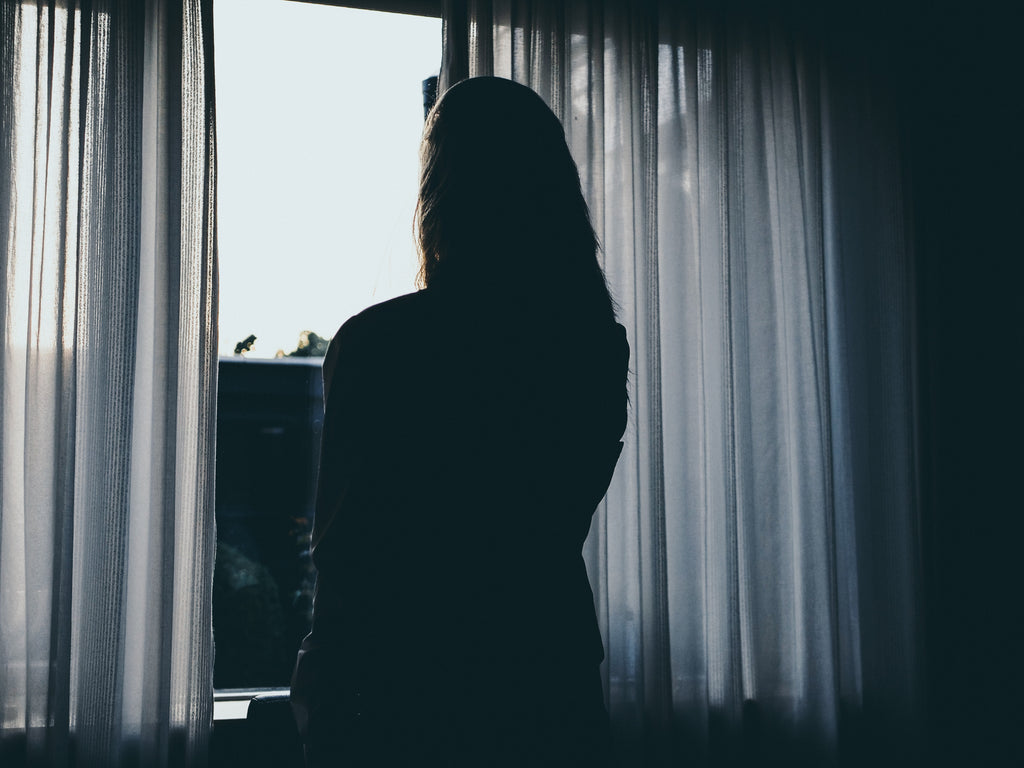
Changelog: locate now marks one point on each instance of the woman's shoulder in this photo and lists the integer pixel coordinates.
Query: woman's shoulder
(399, 310)
(376, 331)
(392, 319)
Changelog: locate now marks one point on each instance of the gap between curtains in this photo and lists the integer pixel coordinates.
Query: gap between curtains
(108, 382)
(756, 561)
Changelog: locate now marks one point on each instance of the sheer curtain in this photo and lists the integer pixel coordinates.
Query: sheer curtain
(108, 382)
(756, 559)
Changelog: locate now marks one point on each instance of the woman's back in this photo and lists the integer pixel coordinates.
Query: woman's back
(472, 447)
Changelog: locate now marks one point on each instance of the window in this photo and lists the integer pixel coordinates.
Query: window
(319, 115)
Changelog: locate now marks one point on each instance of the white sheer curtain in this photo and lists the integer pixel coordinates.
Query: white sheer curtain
(756, 561)
(108, 382)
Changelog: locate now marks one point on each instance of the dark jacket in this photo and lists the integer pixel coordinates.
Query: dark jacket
(467, 442)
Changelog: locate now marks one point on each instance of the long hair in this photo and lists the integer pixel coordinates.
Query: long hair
(500, 204)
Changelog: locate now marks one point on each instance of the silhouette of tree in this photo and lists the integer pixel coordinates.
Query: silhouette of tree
(310, 345)
(245, 345)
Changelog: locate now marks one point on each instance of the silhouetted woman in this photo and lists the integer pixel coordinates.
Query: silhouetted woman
(471, 429)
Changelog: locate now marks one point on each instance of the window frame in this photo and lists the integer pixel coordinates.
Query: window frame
(411, 7)
(232, 703)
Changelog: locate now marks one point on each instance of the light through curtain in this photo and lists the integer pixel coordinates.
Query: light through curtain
(756, 560)
(108, 382)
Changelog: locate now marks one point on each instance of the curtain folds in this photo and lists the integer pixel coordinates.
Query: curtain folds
(756, 559)
(108, 382)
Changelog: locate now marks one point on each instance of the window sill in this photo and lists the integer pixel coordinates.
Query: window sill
(233, 703)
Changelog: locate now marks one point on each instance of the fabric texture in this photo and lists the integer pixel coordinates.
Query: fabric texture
(756, 561)
(108, 382)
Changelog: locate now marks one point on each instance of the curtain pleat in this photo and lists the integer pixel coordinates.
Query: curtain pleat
(755, 561)
(108, 382)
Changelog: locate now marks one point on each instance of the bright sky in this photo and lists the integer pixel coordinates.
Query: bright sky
(319, 116)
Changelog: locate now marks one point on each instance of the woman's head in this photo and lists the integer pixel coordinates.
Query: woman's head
(500, 204)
